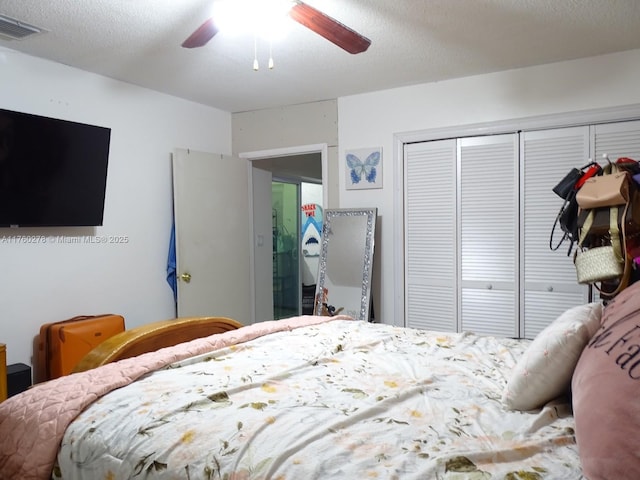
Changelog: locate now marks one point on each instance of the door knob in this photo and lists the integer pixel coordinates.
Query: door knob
(185, 277)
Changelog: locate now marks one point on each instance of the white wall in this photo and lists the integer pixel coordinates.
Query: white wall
(292, 126)
(597, 82)
(49, 282)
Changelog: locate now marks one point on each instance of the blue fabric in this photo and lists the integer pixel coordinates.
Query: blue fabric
(172, 279)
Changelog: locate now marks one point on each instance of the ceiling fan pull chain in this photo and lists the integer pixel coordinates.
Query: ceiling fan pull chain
(270, 55)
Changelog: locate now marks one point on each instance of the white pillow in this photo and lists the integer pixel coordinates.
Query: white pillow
(544, 371)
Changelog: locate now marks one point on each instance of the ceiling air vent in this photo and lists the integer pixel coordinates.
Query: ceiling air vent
(13, 29)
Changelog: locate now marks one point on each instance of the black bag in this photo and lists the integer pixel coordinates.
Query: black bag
(567, 218)
(568, 183)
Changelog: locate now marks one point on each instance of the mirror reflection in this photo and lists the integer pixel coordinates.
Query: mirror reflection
(346, 260)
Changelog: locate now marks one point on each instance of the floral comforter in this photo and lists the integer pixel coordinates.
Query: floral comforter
(341, 400)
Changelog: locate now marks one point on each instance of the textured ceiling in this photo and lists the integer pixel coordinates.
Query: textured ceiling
(413, 41)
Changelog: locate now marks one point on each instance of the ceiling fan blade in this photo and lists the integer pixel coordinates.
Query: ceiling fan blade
(202, 35)
(329, 28)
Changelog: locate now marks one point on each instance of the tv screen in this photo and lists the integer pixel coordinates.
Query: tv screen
(52, 172)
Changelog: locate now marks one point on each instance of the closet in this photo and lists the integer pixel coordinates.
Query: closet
(478, 212)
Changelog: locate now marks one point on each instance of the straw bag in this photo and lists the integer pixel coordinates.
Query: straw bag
(598, 264)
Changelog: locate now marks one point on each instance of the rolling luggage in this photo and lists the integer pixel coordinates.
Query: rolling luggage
(61, 345)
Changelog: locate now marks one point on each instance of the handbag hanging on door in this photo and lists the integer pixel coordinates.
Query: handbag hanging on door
(568, 183)
(602, 263)
(610, 188)
(573, 180)
(567, 217)
(600, 223)
(605, 263)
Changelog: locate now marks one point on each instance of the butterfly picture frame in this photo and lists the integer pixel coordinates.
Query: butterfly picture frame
(363, 168)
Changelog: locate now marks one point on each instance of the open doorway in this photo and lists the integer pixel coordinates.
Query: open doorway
(285, 224)
(297, 225)
(279, 269)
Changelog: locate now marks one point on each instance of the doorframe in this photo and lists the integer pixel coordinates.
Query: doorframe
(323, 150)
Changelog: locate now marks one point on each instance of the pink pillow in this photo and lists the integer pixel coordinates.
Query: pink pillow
(606, 393)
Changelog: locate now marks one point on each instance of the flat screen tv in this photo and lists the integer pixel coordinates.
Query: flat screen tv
(52, 172)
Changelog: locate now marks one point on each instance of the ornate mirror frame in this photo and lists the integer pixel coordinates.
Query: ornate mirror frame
(346, 261)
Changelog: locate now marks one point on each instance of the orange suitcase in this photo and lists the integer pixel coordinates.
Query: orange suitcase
(62, 344)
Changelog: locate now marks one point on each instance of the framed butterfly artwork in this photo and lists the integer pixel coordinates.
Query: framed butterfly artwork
(363, 168)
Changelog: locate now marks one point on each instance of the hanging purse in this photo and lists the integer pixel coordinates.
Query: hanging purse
(629, 165)
(567, 217)
(610, 188)
(600, 222)
(605, 264)
(570, 181)
(567, 184)
(599, 264)
(632, 269)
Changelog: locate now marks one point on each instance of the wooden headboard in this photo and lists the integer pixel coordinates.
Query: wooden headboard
(154, 336)
(3, 372)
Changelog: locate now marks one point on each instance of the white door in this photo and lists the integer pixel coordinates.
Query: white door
(262, 244)
(461, 235)
(211, 203)
(488, 234)
(549, 277)
(431, 288)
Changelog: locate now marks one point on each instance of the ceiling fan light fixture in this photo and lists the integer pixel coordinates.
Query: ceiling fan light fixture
(266, 18)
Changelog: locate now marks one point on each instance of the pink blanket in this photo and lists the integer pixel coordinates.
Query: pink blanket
(32, 424)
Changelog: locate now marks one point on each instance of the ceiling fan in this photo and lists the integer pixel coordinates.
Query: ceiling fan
(312, 18)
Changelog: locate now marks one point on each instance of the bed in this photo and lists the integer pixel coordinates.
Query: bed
(312, 398)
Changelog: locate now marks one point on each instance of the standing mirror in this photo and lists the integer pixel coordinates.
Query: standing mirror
(346, 260)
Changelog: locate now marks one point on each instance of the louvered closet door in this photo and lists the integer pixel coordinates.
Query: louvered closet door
(549, 277)
(489, 247)
(617, 140)
(430, 235)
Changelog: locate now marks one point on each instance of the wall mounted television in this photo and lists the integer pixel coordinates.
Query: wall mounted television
(52, 172)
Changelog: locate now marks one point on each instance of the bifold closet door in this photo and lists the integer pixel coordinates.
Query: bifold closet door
(430, 235)
(488, 234)
(478, 216)
(461, 234)
(548, 277)
(620, 139)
